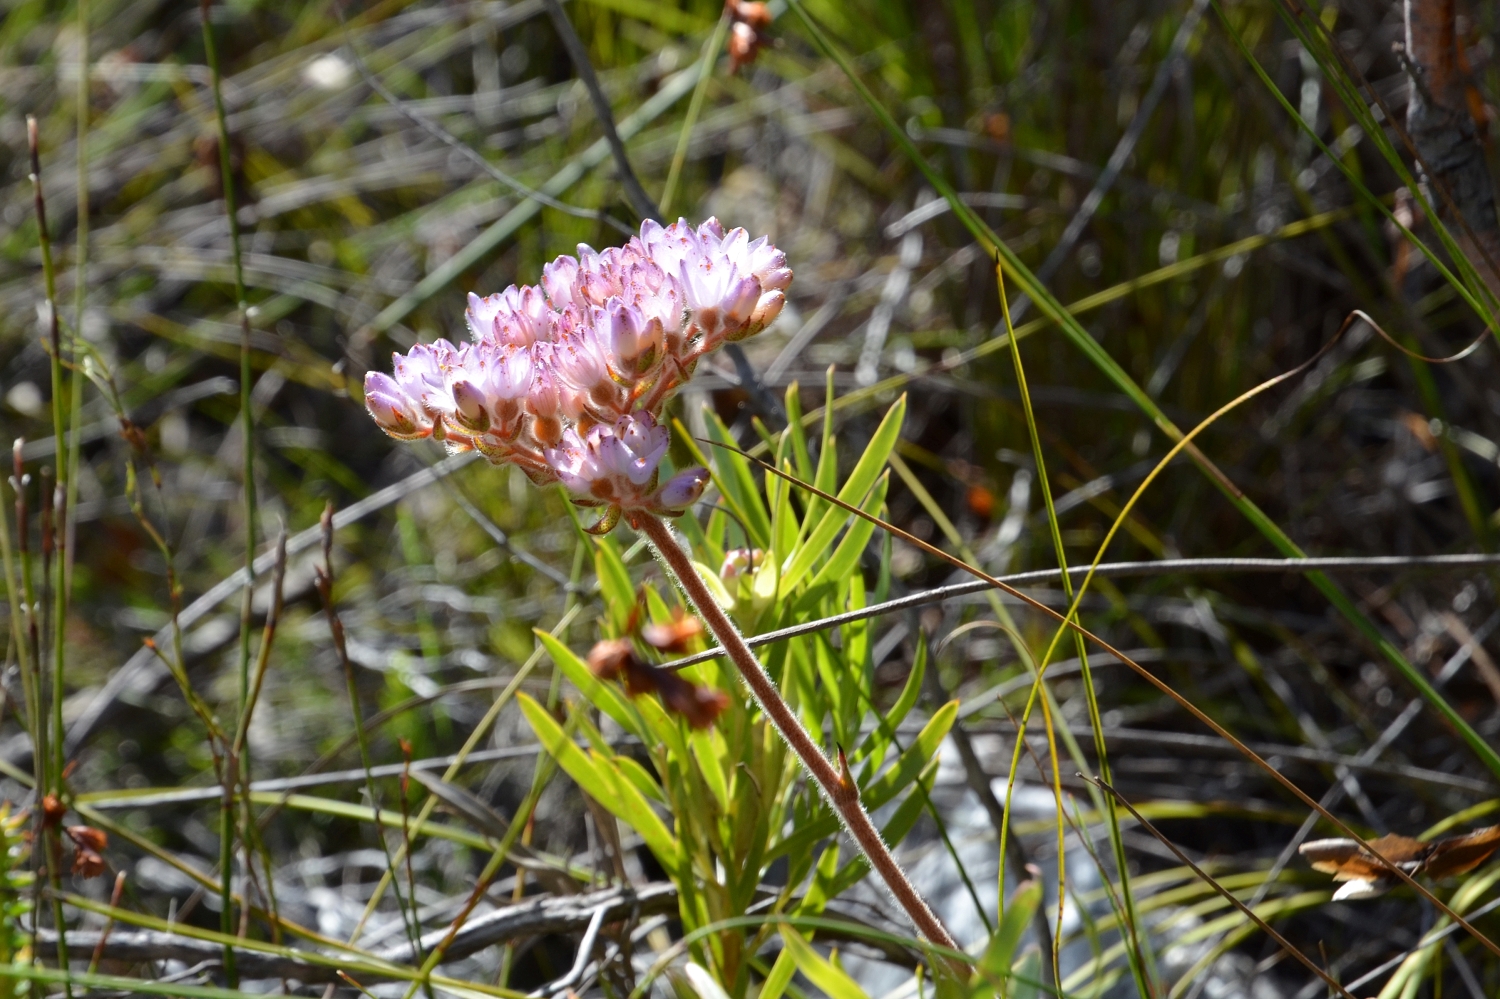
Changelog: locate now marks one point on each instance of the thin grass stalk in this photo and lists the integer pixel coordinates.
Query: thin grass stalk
(54, 343)
(324, 578)
(1091, 349)
(19, 640)
(545, 768)
(475, 737)
(109, 924)
(1208, 879)
(80, 293)
(1341, 74)
(52, 766)
(411, 874)
(1049, 707)
(636, 195)
(695, 106)
(836, 784)
(247, 443)
(1013, 850)
(918, 788)
(1138, 967)
(250, 843)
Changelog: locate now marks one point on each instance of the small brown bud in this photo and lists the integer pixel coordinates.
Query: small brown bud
(87, 837)
(699, 705)
(846, 777)
(675, 636)
(611, 658)
(53, 811)
(87, 863)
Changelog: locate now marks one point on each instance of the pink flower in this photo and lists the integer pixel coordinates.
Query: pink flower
(547, 400)
(560, 282)
(611, 465)
(579, 362)
(395, 411)
(631, 339)
(731, 287)
(517, 316)
(488, 382)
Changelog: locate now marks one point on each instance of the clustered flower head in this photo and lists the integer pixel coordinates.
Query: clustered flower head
(567, 380)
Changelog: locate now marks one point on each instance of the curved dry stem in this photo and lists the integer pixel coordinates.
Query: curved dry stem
(838, 784)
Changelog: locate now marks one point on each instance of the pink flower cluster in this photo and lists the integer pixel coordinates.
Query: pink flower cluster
(568, 380)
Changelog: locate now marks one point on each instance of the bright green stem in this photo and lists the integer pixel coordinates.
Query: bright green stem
(247, 444)
(1080, 338)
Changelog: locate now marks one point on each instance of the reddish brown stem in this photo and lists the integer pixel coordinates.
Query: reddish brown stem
(838, 788)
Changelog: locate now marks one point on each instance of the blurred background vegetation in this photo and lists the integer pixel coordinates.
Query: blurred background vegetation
(1127, 152)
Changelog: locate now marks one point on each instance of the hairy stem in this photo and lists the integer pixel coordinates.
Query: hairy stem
(838, 788)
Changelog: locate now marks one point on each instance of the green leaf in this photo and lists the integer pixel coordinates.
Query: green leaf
(614, 584)
(828, 461)
(878, 741)
(711, 766)
(779, 977)
(846, 556)
(796, 433)
(1000, 954)
(865, 472)
(704, 548)
(601, 695)
(602, 781)
(738, 480)
(640, 778)
(911, 763)
(828, 977)
(715, 586)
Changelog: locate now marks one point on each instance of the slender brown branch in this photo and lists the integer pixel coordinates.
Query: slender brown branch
(838, 787)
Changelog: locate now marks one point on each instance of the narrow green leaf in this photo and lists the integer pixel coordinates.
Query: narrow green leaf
(711, 766)
(795, 431)
(736, 477)
(640, 779)
(603, 782)
(1000, 953)
(831, 979)
(846, 556)
(911, 763)
(865, 472)
(614, 583)
(876, 744)
(601, 695)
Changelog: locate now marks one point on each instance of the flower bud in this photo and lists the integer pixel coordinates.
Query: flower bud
(682, 490)
(392, 413)
(469, 404)
(739, 561)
